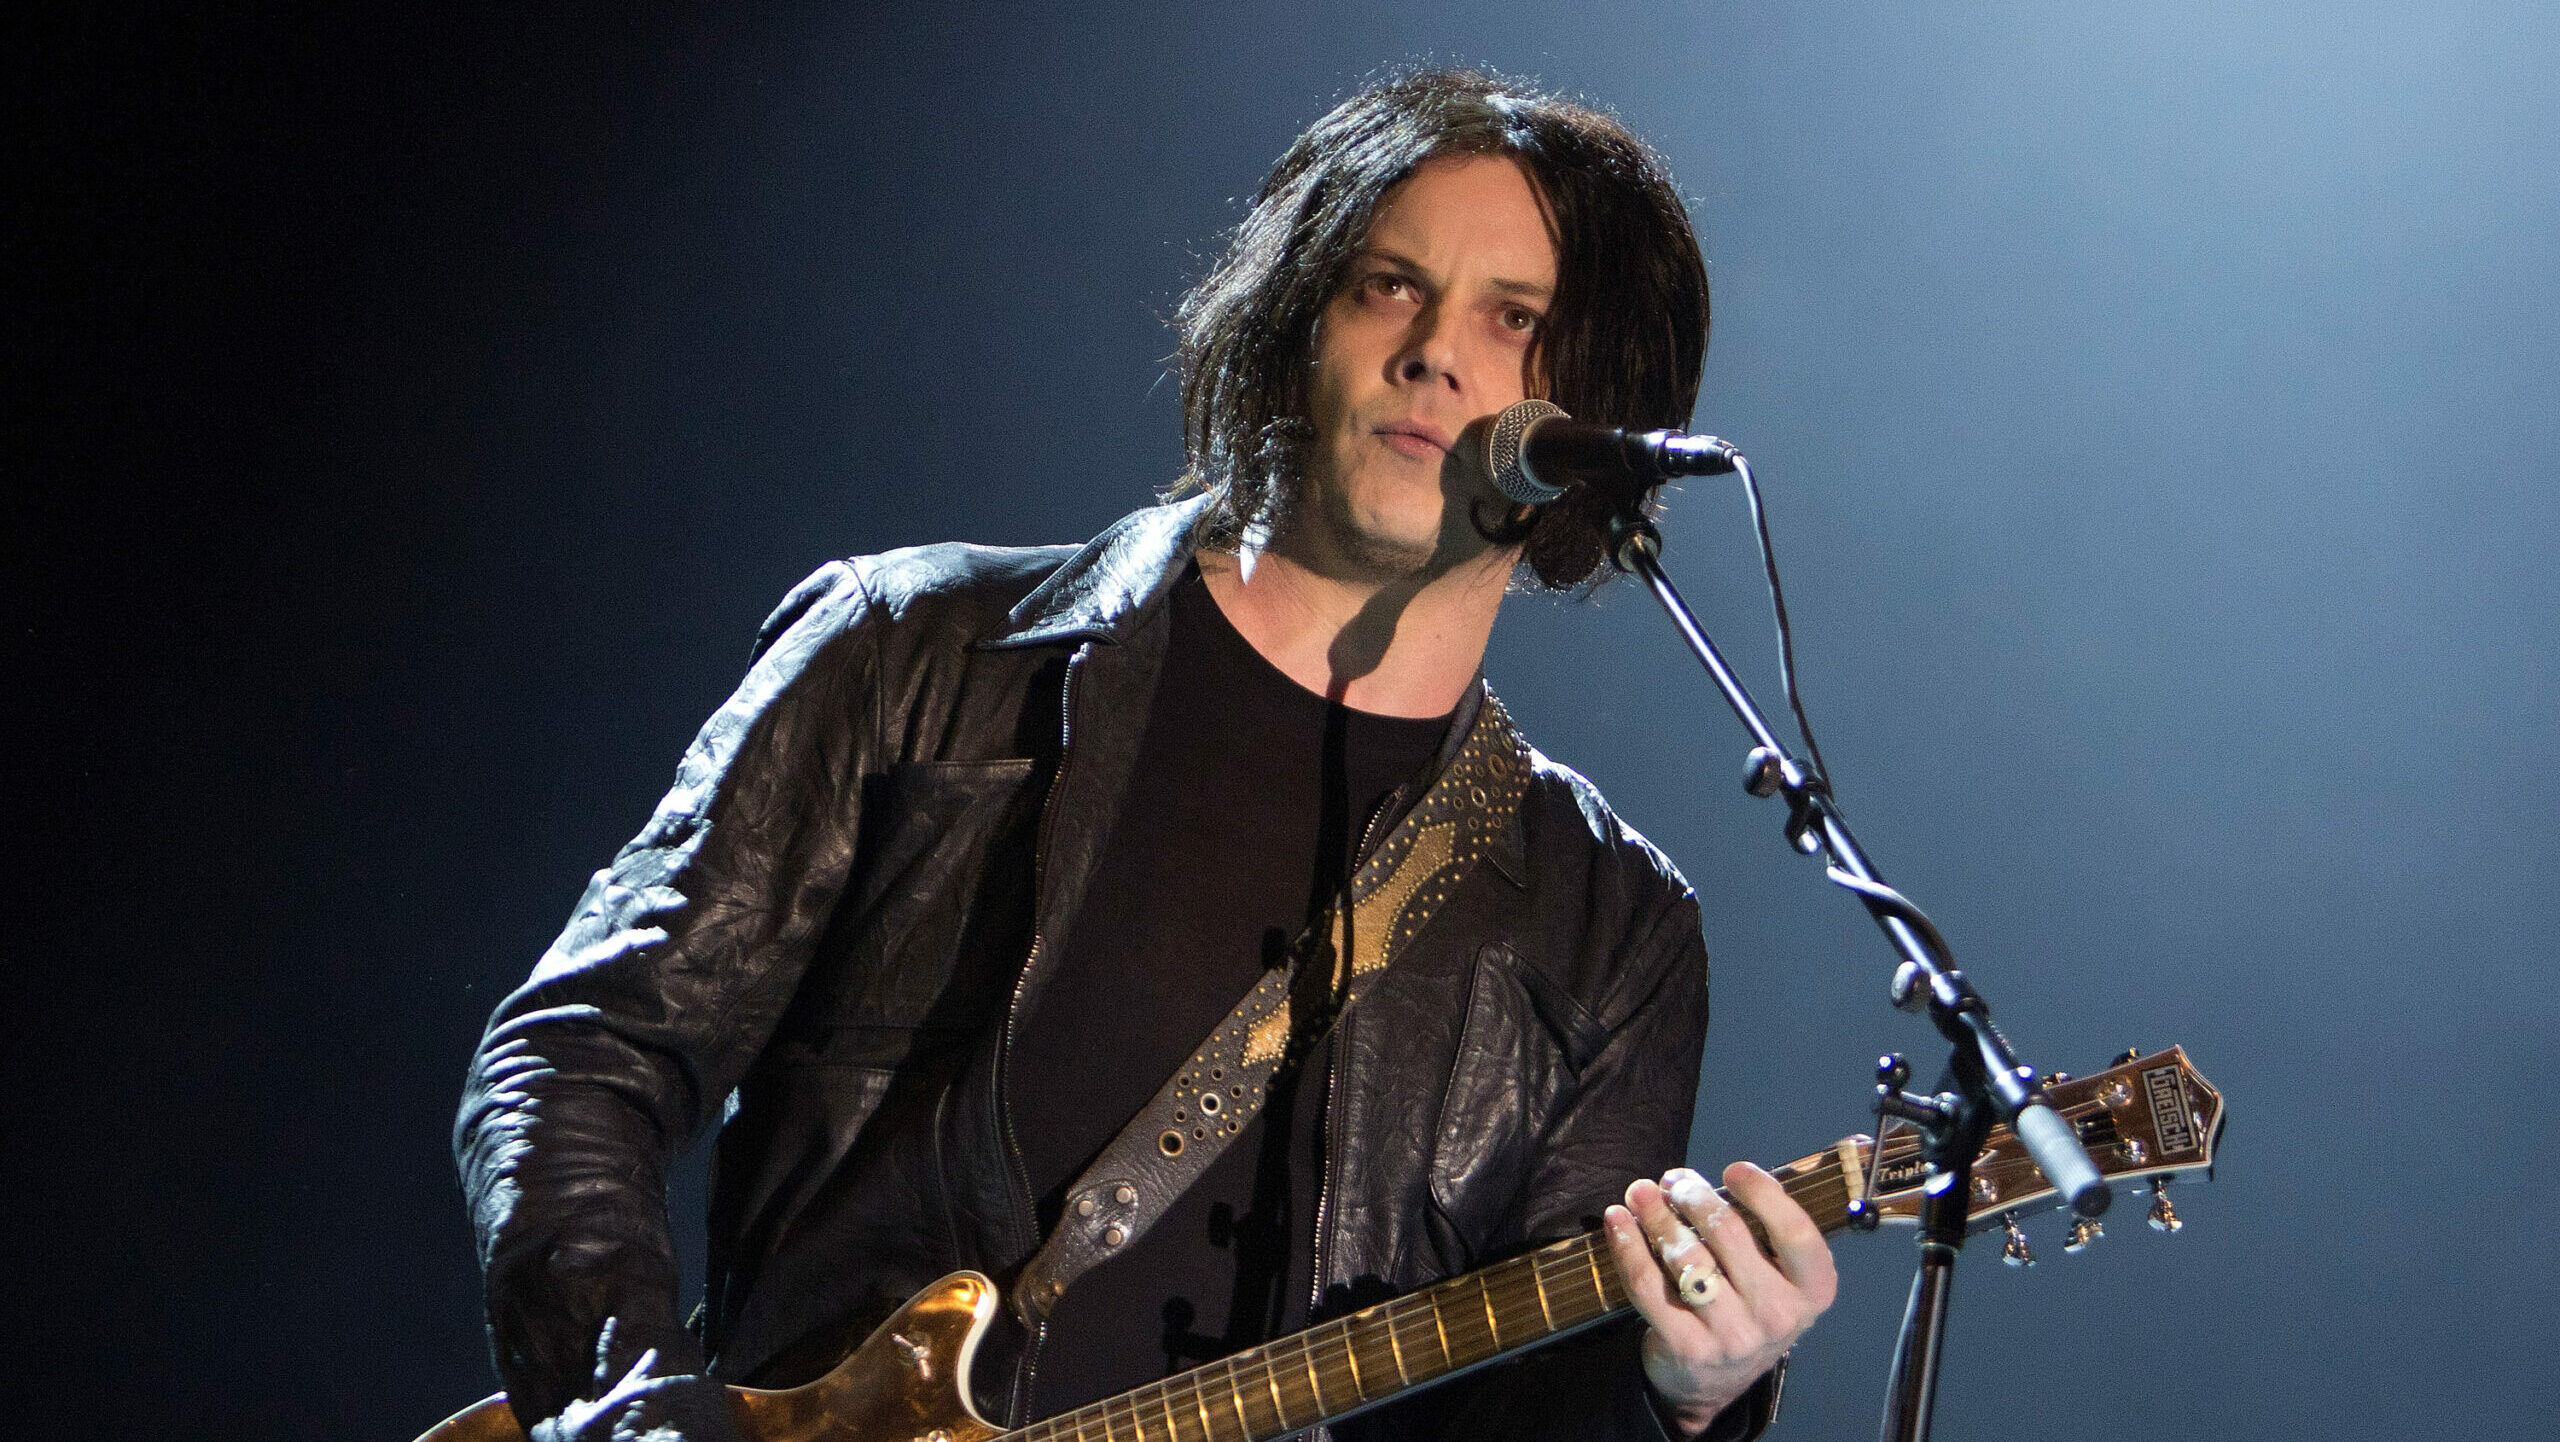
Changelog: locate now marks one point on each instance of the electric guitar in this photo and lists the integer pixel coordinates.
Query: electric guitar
(2148, 1116)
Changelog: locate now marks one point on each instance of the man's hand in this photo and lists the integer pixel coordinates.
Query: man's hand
(644, 1408)
(1742, 1312)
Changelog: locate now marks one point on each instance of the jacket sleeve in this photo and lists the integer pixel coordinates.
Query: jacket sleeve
(1629, 1118)
(644, 1014)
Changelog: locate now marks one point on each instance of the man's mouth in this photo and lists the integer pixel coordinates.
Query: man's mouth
(1412, 438)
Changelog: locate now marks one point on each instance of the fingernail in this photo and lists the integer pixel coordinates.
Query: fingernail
(1691, 1190)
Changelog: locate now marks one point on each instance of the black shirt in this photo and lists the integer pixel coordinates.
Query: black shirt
(1248, 800)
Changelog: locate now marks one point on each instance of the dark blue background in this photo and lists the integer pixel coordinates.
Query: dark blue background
(411, 417)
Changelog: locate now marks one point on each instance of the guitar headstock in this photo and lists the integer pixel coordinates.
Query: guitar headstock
(2147, 1116)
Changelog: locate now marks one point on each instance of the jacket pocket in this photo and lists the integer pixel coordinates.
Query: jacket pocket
(937, 918)
(1522, 1043)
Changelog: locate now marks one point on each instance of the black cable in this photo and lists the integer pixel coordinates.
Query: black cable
(1880, 897)
(1786, 634)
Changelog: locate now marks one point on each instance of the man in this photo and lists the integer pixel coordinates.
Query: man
(988, 841)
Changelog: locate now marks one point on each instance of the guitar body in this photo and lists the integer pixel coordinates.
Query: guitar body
(906, 1383)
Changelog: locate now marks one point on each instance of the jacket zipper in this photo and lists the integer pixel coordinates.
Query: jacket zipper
(1013, 1011)
(1333, 1079)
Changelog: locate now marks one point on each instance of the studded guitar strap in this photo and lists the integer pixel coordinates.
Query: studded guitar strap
(1204, 1105)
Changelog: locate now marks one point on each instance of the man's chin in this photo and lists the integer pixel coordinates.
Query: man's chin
(1381, 556)
(1387, 545)
(1378, 544)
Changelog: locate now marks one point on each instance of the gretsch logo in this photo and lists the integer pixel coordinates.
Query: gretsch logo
(2168, 1109)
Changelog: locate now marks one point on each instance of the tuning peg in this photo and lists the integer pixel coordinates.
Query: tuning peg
(2014, 1250)
(2083, 1232)
(2131, 1053)
(2164, 1217)
(1892, 1071)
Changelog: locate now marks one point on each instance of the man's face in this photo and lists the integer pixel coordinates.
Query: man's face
(1434, 328)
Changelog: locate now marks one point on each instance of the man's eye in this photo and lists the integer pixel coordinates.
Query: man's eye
(1524, 321)
(1390, 286)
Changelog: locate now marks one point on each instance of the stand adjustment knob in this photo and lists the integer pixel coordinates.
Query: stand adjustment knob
(2083, 1232)
(1761, 772)
(1905, 992)
(2014, 1251)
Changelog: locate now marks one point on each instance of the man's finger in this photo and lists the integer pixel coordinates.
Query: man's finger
(1727, 1322)
(1675, 1242)
(1802, 1254)
(1726, 1236)
(1642, 1275)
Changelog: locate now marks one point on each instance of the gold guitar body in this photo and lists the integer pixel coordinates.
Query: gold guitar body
(906, 1383)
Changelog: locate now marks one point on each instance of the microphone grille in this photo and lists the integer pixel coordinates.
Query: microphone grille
(1502, 452)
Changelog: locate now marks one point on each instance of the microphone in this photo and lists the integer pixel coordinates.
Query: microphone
(1537, 453)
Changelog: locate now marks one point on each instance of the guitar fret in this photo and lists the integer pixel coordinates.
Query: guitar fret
(1546, 1310)
(1396, 1348)
(1235, 1399)
(1351, 1354)
(1440, 1324)
(1307, 1355)
(1492, 1328)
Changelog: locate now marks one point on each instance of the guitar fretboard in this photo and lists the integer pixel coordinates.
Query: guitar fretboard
(1351, 1363)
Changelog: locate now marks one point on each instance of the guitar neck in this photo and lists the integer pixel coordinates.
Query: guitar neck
(1352, 1363)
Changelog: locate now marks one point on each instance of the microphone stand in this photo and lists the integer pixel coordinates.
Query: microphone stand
(1985, 1082)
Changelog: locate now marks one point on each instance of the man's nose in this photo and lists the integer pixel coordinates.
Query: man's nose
(1428, 356)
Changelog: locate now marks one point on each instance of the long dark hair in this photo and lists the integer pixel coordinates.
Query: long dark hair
(1625, 335)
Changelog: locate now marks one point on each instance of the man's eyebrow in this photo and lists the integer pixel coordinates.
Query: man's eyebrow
(1526, 289)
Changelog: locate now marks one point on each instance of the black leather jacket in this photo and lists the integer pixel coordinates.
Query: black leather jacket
(819, 941)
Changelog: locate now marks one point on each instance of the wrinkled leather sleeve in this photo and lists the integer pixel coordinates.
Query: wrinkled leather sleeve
(1629, 1118)
(662, 989)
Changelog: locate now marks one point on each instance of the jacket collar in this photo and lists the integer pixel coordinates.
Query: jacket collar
(1103, 590)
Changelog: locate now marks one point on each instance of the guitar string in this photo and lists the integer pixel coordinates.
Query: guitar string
(1517, 1284)
(1823, 1189)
